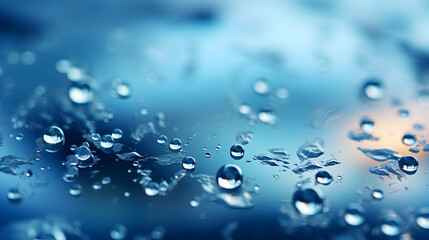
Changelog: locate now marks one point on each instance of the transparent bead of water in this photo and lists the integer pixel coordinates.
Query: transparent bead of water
(19, 136)
(106, 141)
(29, 173)
(354, 215)
(373, 90)
(118, 232)
(53, 139)
(408, 164)
(403, 113)
(267, 116)
(422, 218)
(123, 90)
(207, 154)
(188, 163)
(151, 189)
(409, 139)
(323, 177)
(14, 196)
(97, 186)
(194, 203)
(105, 180)
(81, 93)
(175, 144)
(73, 147)
(366, 124)
(391, 226)
(127, 194)
(308, 200)
(229, 177)
(377, 194)
(71, 174)
(144, 111)
(162, 139)
(236, 151)
(83, 153)
(261, 86)
(95, 136)
(244, 109)
(75, 190)
(117, 133)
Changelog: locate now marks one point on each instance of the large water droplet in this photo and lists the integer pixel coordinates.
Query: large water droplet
(106, 141)
(267, 116)
(409, 139)
(117, 133)
(118, 232)
(261, 86)
(175, 144)
(152, 189)
(188, 163)
(377, 194)
(14, 195)
(236, 151)
(422, 218)
(53, 139)
(366, 124)
(391, 225)
(353, 215)
(308, 200)
(81, 93)
(229, 177)
(323, 177)
(162, 139)
(408, 164)
(373, 90)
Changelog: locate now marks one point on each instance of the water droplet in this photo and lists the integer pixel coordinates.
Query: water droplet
(261, 86)
(14, 195)
(323, 177)
(117, 133)
(71, 174)
(373, 90)
(422, 218)
(123, 90)
(229, 177)
(408, 164)
(267, 116)
(106, 141)
(409, 139)
(207, 154)
(308, 200)
(353, 215)
(391, 225)
(63, 65)
(144, 111)
(28, 58)
(105, 180)
(75, 190)
(366, 124)
(194, 203)
(97, 186)
(162, 139)
(377, 194)
(29, 173)
(245, 109)
(127, 194)
(75, 74)
(118, 232)
(81, 93)
(188, 163)
(175, 144)
(282, 93)
(53, 139)
(236, 151)
(151, 189)
(256, 188)
(73, 147)
(403, 113)
(19, 136)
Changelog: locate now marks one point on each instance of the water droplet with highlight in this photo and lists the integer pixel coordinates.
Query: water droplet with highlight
(117, 133)
(236, 151)
(81, 93)
(162, 139)
(118, 232)
(188, 163)
(105, 180)
(19, 136)
(175, 144)
(422, 218)
(75, 190)
(207, 154)
(123, 90)
(229, 177)
(353, 215)
(245, 109)
(95, 136)
(308, 200)
(377, 194)
(366, 124)
(151, 189)
(391, 225)
(409, 139)
(403, 113)
(261, 86)
(53, 139)
(106, 141)
(323, 177)
(408, 164)
(373, 90)
(267, 116)
(14, 195)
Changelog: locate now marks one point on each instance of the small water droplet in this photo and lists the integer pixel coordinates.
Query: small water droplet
(117, 133)
(422, 218)
(261, 86)
(409, 139)
(323, 177)
(162, 139)
(366, 124)
(207, 154)
(53, 139)
(308, 200)
(144, 111)
(373, 90)
(377, 194)
(403, 113)
(97, 186)
(391, 225)
(105, 180)
(353, 215)
(151, 189)
(229, 177)
(75, 190)
(408, 164)
(194, 203)
(188, 163)
(127, 194)
(19, 136)
(236, 151)
(14, 195)
(118, 232)
(106, 141)
(29, 173)
(282, 93)
(245, 109)
(175, 144)
(267, 116)
(81, 93)
(123, 90)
